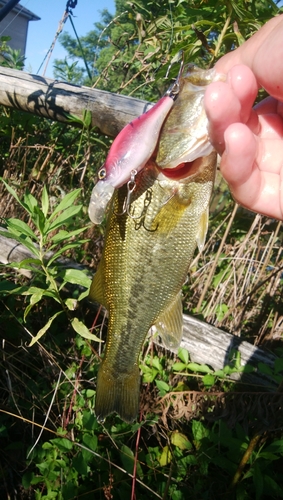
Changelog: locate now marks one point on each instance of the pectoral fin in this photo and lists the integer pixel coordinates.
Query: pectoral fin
(170, 324)
(203, 226)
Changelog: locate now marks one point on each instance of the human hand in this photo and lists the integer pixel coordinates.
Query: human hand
(251, 139)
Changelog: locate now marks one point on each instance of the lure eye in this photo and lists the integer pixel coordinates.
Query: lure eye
(101, 173)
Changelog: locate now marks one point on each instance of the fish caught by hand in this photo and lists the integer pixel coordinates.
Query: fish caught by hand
(154, 223)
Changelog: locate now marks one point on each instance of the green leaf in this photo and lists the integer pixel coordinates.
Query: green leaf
(275, 447)
(63, 235)
(76, 277)
(71, 304)
(82, 330)
(165, 457)
(73, 118)
(64, 249)
(272, 486)
(162, 386)
(263, 368)
(63, 444)
(156, 363)
(67, 214)
(27, 479)
(37, 479)
(67, 202)
(269, 456)
(195, 367)
(80, 465)
(20, 227)
(30, 264)
(180, 440)
(83, 295)
(179, 367)
(149, 374)
(183, 355)
(89, 393)
(258, 480)
(34, 299)
(90, 441)
(26, 241)
(87, 118)
(30, 202)
(199, 431)
(208, 380)
(127, 458)
(44, 201)
(44, 329)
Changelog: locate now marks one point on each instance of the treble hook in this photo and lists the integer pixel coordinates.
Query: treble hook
(131, 186)
(174, 90)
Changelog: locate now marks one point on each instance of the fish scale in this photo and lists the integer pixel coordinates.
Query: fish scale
(145, 262)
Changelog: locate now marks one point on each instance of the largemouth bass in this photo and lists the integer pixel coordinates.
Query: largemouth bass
(144, 265)
(155, 222)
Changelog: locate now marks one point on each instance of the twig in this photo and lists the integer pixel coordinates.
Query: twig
(133, 495)
(252, 444)
(212, 270)
(47, 415)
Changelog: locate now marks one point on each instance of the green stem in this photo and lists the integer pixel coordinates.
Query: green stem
(222, 34)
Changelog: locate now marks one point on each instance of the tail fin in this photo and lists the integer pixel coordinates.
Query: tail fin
(117, 392)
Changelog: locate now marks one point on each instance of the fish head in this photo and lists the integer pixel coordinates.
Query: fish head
(184, 136)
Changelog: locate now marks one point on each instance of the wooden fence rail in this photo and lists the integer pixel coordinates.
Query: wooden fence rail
(206, 344)
(56, 100)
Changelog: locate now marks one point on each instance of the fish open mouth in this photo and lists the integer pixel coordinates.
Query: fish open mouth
(183, 170)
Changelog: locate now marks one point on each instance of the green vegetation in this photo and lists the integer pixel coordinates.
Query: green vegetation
(199, 434)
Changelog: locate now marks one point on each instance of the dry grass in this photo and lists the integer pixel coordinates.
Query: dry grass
(235, 284)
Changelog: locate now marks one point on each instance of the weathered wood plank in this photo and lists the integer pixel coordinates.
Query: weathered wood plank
(206, 344)
(53, 99)
(211, 346)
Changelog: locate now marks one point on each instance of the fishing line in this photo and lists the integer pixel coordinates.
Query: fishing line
(80, 45)
(51, 48)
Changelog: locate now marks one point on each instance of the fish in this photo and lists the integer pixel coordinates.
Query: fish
(145, 262)
(130, 151)
(155, 221)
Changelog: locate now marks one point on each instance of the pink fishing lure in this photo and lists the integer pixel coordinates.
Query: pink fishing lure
(130, 151)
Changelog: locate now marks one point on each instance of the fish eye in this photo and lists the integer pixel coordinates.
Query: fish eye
(101, 173)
